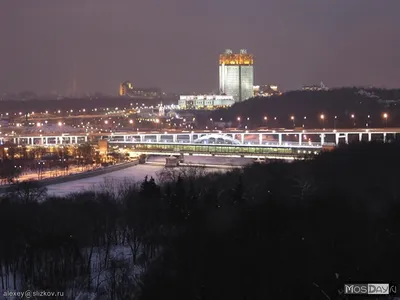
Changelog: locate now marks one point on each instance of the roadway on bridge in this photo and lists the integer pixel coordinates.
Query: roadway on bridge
(269, 131)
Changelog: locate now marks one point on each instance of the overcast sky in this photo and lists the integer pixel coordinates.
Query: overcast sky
(174, 44)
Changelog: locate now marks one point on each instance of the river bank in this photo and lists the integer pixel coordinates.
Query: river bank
(78, 176)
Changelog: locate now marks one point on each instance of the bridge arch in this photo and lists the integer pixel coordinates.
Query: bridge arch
(217, 139)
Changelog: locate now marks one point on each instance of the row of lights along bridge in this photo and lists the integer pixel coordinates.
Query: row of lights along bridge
(322, 118)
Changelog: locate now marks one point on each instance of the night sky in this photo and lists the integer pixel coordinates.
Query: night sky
(174, 44)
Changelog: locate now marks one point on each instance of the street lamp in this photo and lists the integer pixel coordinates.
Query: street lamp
(292, 118)
(354, 119)
(385, 117)
(18, 170)
(334, 122)
(322, 117)
(40, 170)
(248, 123)
(305, 118)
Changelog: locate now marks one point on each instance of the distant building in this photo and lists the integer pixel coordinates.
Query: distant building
(103, 146)
(124, 87)
(320, 87)
(146, 113)
(161, 110)
(266, 90)
(128, 90)
(205, 102)
(236, 75)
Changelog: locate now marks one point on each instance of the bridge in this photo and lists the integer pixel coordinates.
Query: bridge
(284, 144)
(46, 140)
(282, 138)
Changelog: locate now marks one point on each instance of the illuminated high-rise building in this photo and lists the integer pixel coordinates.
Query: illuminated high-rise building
(236, 75)
(124, 88)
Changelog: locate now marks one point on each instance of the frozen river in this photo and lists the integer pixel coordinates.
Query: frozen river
(132, 174)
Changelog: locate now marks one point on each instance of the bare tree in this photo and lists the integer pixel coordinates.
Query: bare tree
(28, 192)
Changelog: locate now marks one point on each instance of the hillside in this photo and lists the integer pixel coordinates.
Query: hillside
(342, 103)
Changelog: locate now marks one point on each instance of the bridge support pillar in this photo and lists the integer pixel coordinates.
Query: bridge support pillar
(242, 138)
(322, 139)
(46, 139)
(191, 138)
(142, 138)
(384, 137)
(300, 139)
(369, 136)
(279, 139)
(260, 138)
(346, 138)
(337, 138)
(174, 138)
(158, 138)
(360, 137)
(125, 138)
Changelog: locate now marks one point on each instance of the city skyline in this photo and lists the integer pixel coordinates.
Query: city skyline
(342, 43)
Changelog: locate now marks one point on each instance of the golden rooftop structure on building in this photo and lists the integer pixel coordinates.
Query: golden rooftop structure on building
(229, 58)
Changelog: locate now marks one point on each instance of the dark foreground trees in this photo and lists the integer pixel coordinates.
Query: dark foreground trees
(281, 242)
(276, 231)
